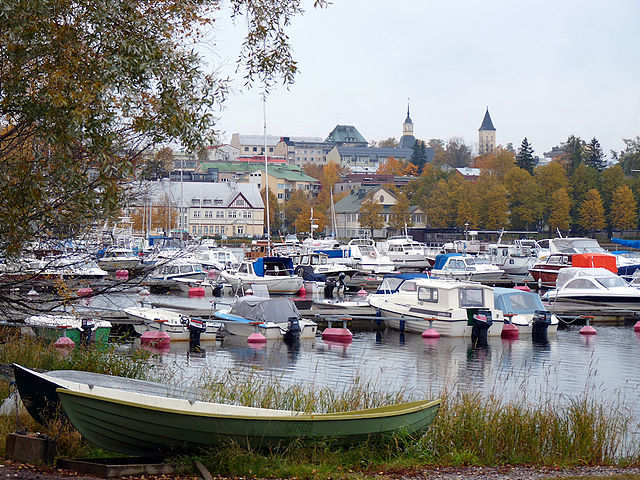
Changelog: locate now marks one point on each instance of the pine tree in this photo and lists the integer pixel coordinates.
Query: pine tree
(593, 155)
(573, 152)
(419, 155)
(524, 157)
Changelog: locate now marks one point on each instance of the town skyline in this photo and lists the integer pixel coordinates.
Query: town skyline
(544, 70)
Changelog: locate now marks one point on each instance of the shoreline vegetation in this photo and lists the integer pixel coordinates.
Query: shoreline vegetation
(471, 429)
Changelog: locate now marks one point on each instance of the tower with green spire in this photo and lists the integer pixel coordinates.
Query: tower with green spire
(407, 140)
(486, 135)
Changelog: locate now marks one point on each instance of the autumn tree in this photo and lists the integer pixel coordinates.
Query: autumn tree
(456, 154)
(497, 162)
(524, 157)
(583, 179)
(274, 211)
(523, 198)
(623, 214)
(400, 214)
(389, 142)
(591, 212)
(86, 86)
(392, 166)
(559, 217)
(410, 170)
(371, 215)
(294, 206)
(550, 178)
(303, 220)
(440, 205)
(629, 158)
(493, 203)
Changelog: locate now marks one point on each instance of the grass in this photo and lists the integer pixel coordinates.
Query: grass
(470, 429)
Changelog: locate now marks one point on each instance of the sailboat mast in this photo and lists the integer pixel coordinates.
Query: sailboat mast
(266, 174)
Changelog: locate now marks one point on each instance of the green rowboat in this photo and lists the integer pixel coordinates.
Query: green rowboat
(140, 424)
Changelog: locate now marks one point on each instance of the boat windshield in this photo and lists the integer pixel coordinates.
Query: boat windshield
(471, 297)
(578, 245)
(612, 282)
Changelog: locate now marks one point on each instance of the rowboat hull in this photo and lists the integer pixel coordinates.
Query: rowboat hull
(136, 424)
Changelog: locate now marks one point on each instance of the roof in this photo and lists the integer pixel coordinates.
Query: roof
(376, 152)
(285, 172)
(227, 191)
(345, 134)
(407, 141)
(487, 124)
(468, 172)
(272, 140)
(352, 202)
(408, 119)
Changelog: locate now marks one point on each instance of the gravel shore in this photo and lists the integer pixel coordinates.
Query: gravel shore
(10, 470)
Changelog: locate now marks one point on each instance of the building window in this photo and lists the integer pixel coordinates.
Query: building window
(240, 230)
(281, 186)
(280, 196)
(255, 149)
(270, 149)
(247, 214)
(219, 213)
(205, 230)
(194, 229)
(208, 214)
(196, 214)
(195, 201)
(232, 214)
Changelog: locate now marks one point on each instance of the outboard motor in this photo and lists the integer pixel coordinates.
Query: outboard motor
(341, 285)
(216, 290)
(482, 320)
(541, 322)
(329, 285)
(196, 327)
(292, 335)
(86, 326)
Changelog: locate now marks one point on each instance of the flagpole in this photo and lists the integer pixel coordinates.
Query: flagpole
(266, 174)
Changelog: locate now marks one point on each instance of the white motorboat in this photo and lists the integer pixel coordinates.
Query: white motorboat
(598, 285)
(362, 254)
(119, 259)
(522, 306)
(174, 323)
(275, 318)
(216, 258)
(276, 273)
(180, 268)
(320, 264)
(516, 258)
(406, 303)
(406, 253)
(458, 266)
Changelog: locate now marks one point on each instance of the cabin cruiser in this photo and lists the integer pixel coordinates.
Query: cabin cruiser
(593, 285)
(516, 258)
(546, 272)
(320, 264)
(275, 318)
(522, 307)
(276, 273)
(216, 258)
(458, 266)
(362, 254)
(406, 253)
(119, 259)
(179, 268)
(453, 306)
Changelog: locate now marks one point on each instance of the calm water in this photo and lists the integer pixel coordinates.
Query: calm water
(604, 365)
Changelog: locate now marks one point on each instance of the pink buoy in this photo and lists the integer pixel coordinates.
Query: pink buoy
(337, 334)
(212, 274)
(362, 292)
(430, 333)
(85, 292)
(636, 327)
(587, 330)
(524, 288)
(256, 337)
(509, 330)
(196, 292)
(156, 338)
(302, 292)
(64, 342)
(122, 274)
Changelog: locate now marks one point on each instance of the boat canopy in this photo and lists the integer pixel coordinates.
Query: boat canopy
(442, 258)
(627, 243)
(511, 300)
(280, 265)
(391, 283)
(263, 310)
(565, 275)
(604, 260)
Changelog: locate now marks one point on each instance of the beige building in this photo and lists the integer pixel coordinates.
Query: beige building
(348, 212)
(283, 181)
(486, 135)
(251, 145)
(210, 209)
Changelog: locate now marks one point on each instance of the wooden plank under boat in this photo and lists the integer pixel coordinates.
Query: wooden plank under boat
(139, 424)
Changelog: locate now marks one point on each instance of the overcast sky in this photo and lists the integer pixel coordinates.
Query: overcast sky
(546, 69)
